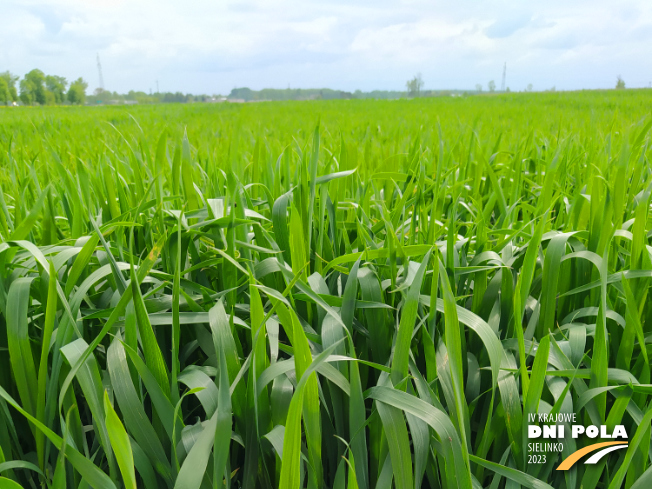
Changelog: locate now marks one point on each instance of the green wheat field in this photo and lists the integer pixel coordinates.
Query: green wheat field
(328, 294)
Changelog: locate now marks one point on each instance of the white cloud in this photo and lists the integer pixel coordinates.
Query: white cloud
(207, 46)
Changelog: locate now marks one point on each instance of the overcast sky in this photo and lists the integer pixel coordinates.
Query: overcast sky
(213, 46)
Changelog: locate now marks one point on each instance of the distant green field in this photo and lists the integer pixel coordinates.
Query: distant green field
(326, 294)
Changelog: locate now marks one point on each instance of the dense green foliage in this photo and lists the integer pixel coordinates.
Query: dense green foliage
(38, 88)
(362, 294)
(77, 92)
(8, 92)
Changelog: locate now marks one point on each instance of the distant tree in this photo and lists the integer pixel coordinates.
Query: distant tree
(57, 86)
(4, 91)
(77, 91)
(27, 90)
(478, 87)
(414, 85)
(49, 98)
(529, 87)
(244, 93)
(507, 90)
(620, 84)
(169, 97)
(492, 86)
(10, 80)
(32, 88)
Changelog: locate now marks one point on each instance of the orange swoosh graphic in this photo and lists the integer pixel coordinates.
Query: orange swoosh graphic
(575, 456)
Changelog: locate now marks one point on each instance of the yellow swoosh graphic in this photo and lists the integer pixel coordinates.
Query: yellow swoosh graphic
(575, 456)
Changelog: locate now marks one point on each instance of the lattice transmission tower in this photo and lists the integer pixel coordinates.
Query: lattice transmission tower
(99, 71)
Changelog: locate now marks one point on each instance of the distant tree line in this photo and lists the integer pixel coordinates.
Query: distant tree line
(414, 89)
(38, 88)
(108, 97)
(279, 94)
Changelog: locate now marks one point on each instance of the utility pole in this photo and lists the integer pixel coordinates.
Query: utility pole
(502, 85)
(99, 71)
(157, 91)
